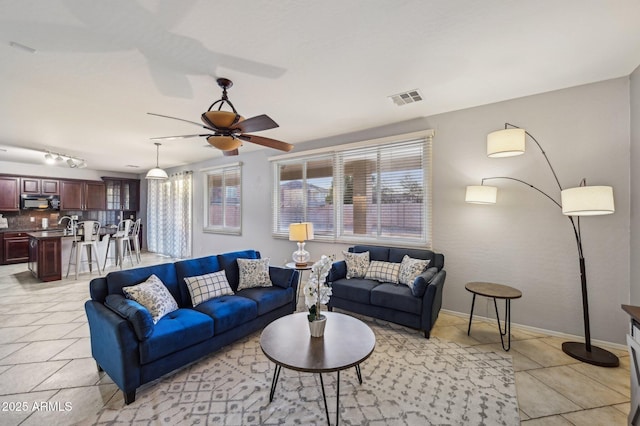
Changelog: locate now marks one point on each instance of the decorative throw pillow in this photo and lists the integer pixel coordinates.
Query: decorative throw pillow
(357, 264)
(153, 295)
(386, 272)
(205, 287)
(254, 273)
(410, 268)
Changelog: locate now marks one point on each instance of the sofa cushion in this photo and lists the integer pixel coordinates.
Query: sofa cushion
(129, 277)
(357, 264)
(228, 262)
(375, 252)
(253, 273)
(229, 311)
(396, 254)
(205, 287)
(174, 332)
(268, 298)
(132, 311)
(383, 271)
(397, 297)
(355, 289)
(153, 295)
(191, 268)
(410, 268)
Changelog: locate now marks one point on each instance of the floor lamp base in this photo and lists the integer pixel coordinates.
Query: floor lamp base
(597, 356)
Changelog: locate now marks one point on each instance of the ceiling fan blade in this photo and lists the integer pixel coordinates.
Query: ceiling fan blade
(255, 124)
(182, 119)
(230, 153)
(268, 142)
(167, 138)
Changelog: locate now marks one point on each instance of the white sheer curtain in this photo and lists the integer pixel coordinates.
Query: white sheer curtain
(169, 215)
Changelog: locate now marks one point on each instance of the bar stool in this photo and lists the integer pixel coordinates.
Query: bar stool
(89, 239)
(135, 232)
(122, 242)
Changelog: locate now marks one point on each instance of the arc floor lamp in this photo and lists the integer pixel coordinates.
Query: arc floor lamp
(582, 200)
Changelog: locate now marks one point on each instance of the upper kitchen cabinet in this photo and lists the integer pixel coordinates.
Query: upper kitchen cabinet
(122, 194)
(31, 185)
(9, 193)
(82, 195)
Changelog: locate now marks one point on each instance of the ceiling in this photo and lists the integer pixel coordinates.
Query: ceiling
(318, 68)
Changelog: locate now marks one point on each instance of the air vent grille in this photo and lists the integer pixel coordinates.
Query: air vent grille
(405, 98)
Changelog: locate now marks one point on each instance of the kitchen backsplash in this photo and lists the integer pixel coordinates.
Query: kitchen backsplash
(23, 220)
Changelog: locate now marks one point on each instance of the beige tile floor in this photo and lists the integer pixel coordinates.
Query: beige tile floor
(45, 358)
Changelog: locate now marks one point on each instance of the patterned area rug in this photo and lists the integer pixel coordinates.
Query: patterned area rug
(408, 380)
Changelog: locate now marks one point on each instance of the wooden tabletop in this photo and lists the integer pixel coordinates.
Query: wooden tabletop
(633, 311)
(499, 291)
(347, 342)
(292, 265)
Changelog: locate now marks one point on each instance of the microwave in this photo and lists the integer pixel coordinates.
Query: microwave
(39, 202)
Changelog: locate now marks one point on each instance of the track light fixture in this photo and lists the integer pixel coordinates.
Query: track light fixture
(73, 162)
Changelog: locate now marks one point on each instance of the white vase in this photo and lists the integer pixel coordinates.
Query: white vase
(316, 327)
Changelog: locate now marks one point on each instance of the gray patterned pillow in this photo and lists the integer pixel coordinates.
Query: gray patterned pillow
(410, 268)
(205, 287)
(153, 295)
(357, 264)
(386, 272)
(254, 273)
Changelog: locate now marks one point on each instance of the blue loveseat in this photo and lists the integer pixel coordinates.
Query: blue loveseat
(134, 352)
(391, 302)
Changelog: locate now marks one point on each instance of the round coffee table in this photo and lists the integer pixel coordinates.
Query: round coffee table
(495, 291)
(347, 342)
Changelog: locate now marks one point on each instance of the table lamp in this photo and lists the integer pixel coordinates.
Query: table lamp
(301, 232)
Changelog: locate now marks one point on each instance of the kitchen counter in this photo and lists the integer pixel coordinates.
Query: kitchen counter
(52, 233)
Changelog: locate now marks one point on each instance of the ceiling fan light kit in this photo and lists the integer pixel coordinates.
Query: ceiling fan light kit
(228, 128)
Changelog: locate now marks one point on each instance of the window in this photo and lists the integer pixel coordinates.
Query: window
(223, 200)
(373, 191)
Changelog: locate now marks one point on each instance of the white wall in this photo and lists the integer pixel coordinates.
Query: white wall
(635, 187)
(524, 240)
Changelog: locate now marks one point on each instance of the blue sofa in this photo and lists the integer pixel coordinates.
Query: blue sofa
(134, 352)
(391, 302)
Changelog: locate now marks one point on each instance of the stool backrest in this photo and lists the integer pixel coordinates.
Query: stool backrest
(136, 228)
(90, 230)
(124, 228)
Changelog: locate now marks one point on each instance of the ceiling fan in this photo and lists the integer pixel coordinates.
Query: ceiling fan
(228, 128)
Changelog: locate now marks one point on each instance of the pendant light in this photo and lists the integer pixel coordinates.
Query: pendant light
(157, 172)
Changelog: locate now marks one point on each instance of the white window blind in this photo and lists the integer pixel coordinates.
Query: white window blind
(372, 192)
(223, 200)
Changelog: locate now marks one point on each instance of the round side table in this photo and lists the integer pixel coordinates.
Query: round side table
(300, 268)
(495, 291)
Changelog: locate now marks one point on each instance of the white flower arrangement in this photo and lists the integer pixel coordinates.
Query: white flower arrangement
(316, 290)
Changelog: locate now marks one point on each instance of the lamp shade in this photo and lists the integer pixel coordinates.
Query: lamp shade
(506, 143)
(587, 201)
(157, 173)
(301, 231)
(481, 194)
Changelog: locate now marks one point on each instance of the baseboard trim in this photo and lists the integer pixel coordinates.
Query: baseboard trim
(554, 333)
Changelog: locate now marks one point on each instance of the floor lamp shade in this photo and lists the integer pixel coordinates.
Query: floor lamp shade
(506, 143)
(301, 232)
(481, 194)
(587, 201)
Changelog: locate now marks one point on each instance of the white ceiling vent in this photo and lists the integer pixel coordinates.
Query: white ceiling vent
(406, 97)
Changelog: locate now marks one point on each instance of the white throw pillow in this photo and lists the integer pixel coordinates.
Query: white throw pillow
(205, 287)
(357, 264)
(153, 295)
(254, 273)
(386, 272)
(410, 268)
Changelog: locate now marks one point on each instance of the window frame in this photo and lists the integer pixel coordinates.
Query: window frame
(221, 171)
(337, 152)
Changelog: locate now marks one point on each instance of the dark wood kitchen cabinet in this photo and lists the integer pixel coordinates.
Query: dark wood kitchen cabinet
(44, 258)
(15, 247)
(31, 185)
(9, 193)
(82, 195)
(122, 194)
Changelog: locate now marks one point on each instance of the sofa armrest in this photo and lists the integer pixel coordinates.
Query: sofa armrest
(338, 271)
(114, 345)
(432, 300)
(283, 277)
